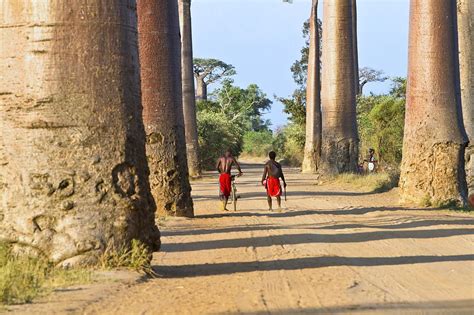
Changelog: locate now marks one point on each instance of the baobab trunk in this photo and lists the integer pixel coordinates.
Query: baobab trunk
(201, 91)
(466, 60)
(189, 98)
(356, 47)
(338, 94)
(312, 152)
(73, 170)
(160, 64)
(433, 150)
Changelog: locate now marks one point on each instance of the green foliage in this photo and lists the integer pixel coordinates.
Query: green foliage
(381, 123)
(289, 143)
(24, 278)
(216, 134)
(225, 119)
(136, 257)
(212, 70)
(258, 143)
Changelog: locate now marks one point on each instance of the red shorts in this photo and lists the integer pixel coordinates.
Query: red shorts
(225, 184)
(273, 187)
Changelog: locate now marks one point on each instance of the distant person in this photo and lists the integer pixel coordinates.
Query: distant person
(224, 167)
(272, 173)
(371, 161)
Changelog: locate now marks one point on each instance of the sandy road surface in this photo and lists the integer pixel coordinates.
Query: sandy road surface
(332, 250)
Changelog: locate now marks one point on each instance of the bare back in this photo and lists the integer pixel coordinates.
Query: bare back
(225, 164)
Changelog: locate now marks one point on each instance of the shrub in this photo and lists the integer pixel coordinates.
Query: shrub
(23, 278)
(289, 144)
(136, 257)
(216, 134)
(258, 143)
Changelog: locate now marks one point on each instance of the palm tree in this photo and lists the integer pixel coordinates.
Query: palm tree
(189, 100)
(160, 64)
(73, 170)
(433, 150)
(466, 58)
(338, 94)
(312, 152)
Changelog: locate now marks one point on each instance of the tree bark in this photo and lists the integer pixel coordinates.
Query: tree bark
(201, 91)
(466, 60)
(189, 98)
(356, 49)
(73, 170)
(338, 94)
(312, 152)
(433, 152)
(160, 60)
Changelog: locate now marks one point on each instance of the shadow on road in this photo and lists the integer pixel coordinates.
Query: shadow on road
(294, 239)
(199, 270)
(264, 227)
(438, 307)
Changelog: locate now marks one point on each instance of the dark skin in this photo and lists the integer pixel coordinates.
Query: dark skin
(275, 172)
(224, 166)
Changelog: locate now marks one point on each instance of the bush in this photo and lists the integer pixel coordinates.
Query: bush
(258, 143)
(289, 144)
(216, 134)
(381, 124)
(24, 278)
(137, 257)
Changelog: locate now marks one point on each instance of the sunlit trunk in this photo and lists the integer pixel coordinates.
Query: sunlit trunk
(312, 152)
(160, 62)
(338, 94)
(73, 171)
(356, 49)
(433, 151)
(189, 98)
(201, 89)
(466, 58)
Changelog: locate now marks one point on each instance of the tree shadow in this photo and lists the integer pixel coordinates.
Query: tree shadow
(200, 270)
(267, 227)
(436, 307)
(295, 239)
(295, 213)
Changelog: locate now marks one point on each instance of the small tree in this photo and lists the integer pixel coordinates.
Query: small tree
(367, 75)
(207, 71)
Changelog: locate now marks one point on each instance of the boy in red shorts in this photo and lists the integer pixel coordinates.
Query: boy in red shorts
(271, 180)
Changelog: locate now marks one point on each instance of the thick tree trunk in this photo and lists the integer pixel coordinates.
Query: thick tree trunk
(312, 152)
(338, 94)
(466, 58)
(356, 48)
(433, 151)
(201, 89)
(189, 98)
(73, 170)
(160, 61)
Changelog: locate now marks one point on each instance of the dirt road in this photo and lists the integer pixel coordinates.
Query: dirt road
(332, 250)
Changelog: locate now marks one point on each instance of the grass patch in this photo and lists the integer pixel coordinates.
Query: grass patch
(24, 278)
(137, 257)
(376, 183)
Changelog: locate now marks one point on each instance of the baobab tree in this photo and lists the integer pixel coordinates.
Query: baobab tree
(73, 170)
(433, 151)
(312, 151)
(368, 75)
(466, 58)
(338, 94)
(189, 99)
(160, 64)
(207, 71)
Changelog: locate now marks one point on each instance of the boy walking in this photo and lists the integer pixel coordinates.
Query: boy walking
(271, 180)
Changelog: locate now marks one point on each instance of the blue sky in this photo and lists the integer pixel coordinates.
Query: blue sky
(262, 38)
